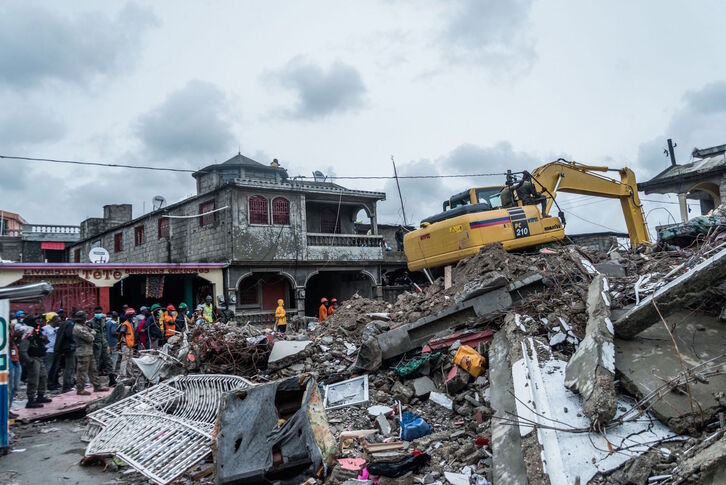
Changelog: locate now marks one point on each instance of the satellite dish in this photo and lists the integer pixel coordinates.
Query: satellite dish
(319, 176)
(158, 202)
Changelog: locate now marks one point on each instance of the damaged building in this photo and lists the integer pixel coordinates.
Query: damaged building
(282, 238)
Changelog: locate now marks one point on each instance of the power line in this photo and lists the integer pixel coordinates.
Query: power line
(186, 170)
(591, 222)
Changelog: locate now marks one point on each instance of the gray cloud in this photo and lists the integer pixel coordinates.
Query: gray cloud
(37, 44)
(490, 32)
(321, 92)
(423, 197)
(28, 125)
(697, 123)
(192, 123)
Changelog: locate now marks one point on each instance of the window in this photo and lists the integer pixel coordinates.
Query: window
(163, 228)
(208, 219)
(139, 237)
(280, 211)
(329, 222)
(118, 242)
(77, 256)
(258, 210)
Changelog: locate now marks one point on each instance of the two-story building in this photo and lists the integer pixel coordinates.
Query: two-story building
(281, 238)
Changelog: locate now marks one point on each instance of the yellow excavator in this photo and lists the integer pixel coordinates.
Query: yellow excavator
(517, 214)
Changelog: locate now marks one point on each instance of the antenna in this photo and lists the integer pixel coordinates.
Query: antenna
(158, 202)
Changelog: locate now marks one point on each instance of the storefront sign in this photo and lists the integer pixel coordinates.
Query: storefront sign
(98, 255)
(110, 276)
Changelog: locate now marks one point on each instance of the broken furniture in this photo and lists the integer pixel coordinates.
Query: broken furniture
(164, 430)
(276, 432)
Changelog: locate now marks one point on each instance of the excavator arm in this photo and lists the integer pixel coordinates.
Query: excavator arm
(576, 178)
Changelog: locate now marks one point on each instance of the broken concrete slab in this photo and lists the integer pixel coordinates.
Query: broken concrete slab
(706, 467)
(611, 268)
(423, 386)
(412, 335)
(672, 297)
(644, 364)
(508, 459)
(252, 445)
(591, 370)
(456, 380)
(284, 349)
(539, 387)
(442, 400)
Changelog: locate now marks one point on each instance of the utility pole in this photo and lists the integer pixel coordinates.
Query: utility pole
(670, 152)
(395, 174)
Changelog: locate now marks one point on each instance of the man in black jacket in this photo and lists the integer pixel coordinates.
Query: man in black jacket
(65, 348)
(32, 353)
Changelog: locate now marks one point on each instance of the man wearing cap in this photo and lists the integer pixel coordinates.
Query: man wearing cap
(87, 364)
(65, 350)
(182, 319)
(323, 310)
(52, 361)
(100, 345)
(169, 322)
(32, 353)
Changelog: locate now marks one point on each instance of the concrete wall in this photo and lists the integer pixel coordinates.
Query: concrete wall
(188, 242)
(11, 248)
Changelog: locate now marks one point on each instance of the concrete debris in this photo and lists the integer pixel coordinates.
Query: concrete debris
(284, 349)
(537, 320)
(673, 296)
(591, 370)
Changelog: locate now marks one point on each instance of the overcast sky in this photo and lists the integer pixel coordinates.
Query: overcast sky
(468, 86)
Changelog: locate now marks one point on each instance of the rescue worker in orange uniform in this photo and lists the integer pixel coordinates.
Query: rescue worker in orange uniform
(170, 322)
(280, 316)
(323, 312)
(127, 342)
(333, 306)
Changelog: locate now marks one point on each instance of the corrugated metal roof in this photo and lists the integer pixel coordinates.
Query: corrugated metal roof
(705, 166)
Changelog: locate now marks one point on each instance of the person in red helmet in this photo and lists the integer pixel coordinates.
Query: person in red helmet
(333, 306)
(323, 312)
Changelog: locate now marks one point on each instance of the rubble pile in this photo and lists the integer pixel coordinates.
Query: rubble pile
(525, 370)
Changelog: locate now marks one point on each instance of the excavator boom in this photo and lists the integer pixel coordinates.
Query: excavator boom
(576, 178)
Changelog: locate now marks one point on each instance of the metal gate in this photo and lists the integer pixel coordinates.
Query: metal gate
(71, 294)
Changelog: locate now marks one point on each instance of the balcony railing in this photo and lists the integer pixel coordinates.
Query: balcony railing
(51, 229)
(261, 317)
(346, 240)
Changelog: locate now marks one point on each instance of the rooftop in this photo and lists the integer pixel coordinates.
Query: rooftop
(711, 161)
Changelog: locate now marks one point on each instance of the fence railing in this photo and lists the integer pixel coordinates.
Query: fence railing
(50, 229)
(347, 240)
(261, 317)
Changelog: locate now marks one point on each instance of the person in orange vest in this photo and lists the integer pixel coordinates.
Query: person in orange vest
(126, 341)
(333, 306)
(170, 322)
(323, 312)
(280, 316)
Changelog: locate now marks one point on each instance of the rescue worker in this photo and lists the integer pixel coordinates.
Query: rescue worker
(182, 319)
(333, 307)
(154, 325)
(126, 341)
(87, 365)
(100, 346)
(209, 309)
(399, 238)
(323, 311)
(112, 325)
(52, 361)
(65, 349)
(170, 322)
(280, 316)
(32, 354)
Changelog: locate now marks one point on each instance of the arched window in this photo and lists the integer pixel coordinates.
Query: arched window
(329, 223)
(258, 210)
(280, 211)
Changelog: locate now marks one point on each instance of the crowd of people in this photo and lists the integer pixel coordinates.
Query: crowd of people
(53, 352)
